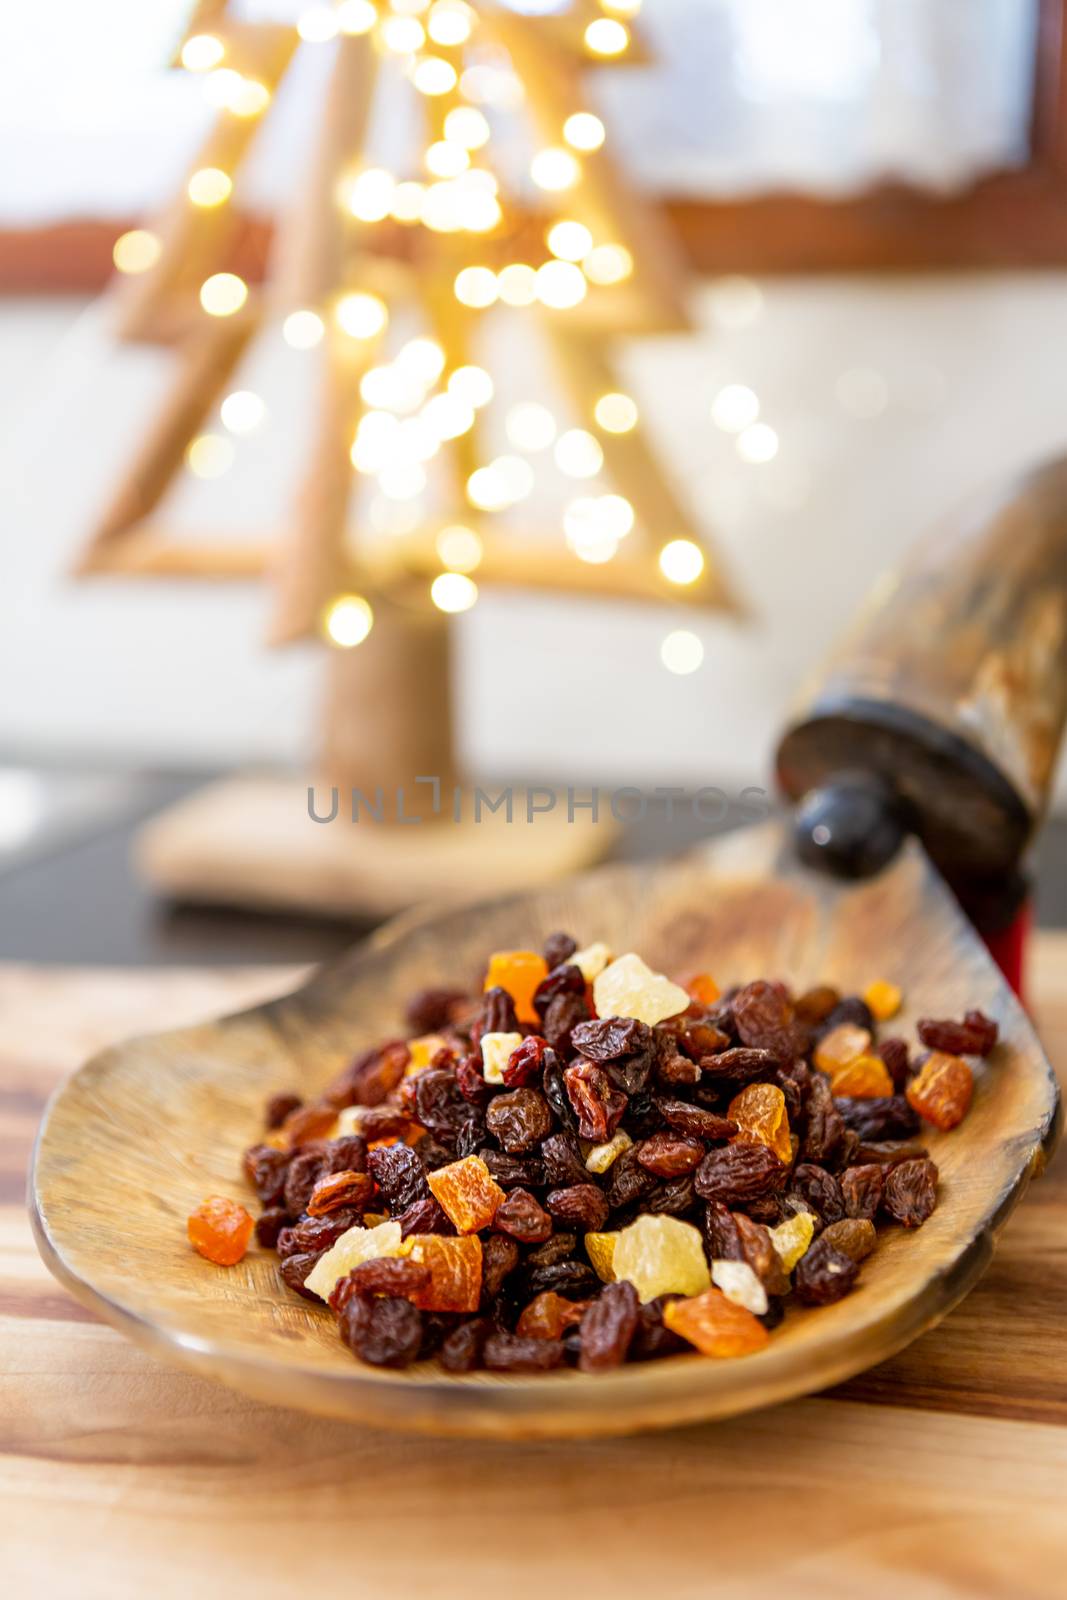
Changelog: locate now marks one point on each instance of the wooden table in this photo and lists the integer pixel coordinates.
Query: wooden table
(941, 1473)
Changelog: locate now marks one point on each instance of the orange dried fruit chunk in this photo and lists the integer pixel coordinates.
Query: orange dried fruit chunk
(519, 972)
(715, 1325)
(942, 1089)
(219, 1230)
(548, 1315)
(455, 1271)
(761, 1115)
(703, 989)
(466, 1193)
(864, 1078)
(883, 999)
(842, 1044)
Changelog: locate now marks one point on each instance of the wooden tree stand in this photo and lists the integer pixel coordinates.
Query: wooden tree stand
(249, 840)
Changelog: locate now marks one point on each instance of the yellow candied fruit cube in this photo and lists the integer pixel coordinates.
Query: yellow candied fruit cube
(841, 1045)
(599, 1157)
(792, 1237)
(660, 1255)
(715, 1325)
(519, 972)
(496, 1052)
(421, 1052)
(629, 988)
(592, 960)
(739, 1284)
(600, 1248)
(467, 1193)
(883, 999)
(358, 1244)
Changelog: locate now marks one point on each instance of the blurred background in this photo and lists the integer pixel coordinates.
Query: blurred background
(871, 201)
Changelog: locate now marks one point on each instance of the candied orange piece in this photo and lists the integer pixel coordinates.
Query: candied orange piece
(883, 999)
(455, 1271)
(219, 1230)
(715, 1325)
(843, 1043)
(942, 1089)
(548, 1315)
(519, 972)
(863, 1078)
(703, 989)
(761, 1114)
(466, 1193)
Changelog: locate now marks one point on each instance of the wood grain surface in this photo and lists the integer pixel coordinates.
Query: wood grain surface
(940, 1473)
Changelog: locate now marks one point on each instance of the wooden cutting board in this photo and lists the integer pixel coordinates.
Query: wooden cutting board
(941, 1473)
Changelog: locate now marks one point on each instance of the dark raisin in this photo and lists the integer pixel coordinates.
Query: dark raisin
(433, 1154)
(651, 1338)
(462, 1350)
(471, 1133)
(381, 1330)
(628, 1180)
(500, 1256)
(740, 1065)
(582, 1205)
(266, 1170)
(392, 1275)
(424, 1216)
(767, 1209)
(774, 1313)
(722, 1237)
(562, 1016)
(758, 1250)
(315, 1233)
(862, 1190)
(820, 1189)
(470, 1081)
(269, 1225)
(558, 948)
(439, 1102)
(399, 1174)
(563, 1161)
(294, 1269)
(974, 1036)
(571, 1278)
(280, 1106)
(793, 1081)
(894, 1052)
(498, 1012)
(824, 1125)
(738, 1173)
(383, 1122)
(301, 1178)
(642, 1117)
(611, 1037)
(911, 1192)
(598, 1104)
(852, 1010)
(561, 980)
(371, 1077)
(607, 1328)
(347, 1154)
(340, 1191)
(523, 1218)
(555, 1091)
(887, 1152)
(765, 1020)
(557, 1248)
(512, 1171)
(695, 1120)
(519, 1120)
(429, 1010)
(526, 1063)
(700, 1039)
(674, 1070)
(879, 1117)
(815, 1005)
(823, 1275)
(673, 1198)
(505, 1352)
(670, 1155)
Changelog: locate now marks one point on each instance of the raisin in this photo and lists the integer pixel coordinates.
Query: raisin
(548, 1316)
(760, 1113)
(280, 1106)
(341, 1191)
(315, 1233)
(309, 1123)
(562, 1016)
(563, 979)
(470, 1133)
(582, 1205)
(500, 1256)
(700, 1039)
(862, 1190)
(694, 1120)
(608, 1327)
(505, 1352)
(294, 1269)
(439, 1101)
(371, 1077)
(894, 1052)
(820, 1189)
(854, 1011)
(815, 1005)
(498, 1012)
(391, 1275)
(793, 1081)
(673, 1198)
(572, 1278)
(853, 1236)
(629, 1180)
(471, 1083)
(722, 1237)
(558, 1248)
(974, 1036)
(462, 1350)
(384, 1122)
(269, 1225)
(887, 1152)
(598, 1103)
(347, 1154)
(563, 1162)
(757, 1249)
(738, 1173)
(432, 1153)
(424, 1216)
(941, 1090)
(521, 1217)
(887, 1117)
(670, 1155)
(526, 1064)
(519, 1120)
(823, 1275)
(555, 1091)
(765, 1020)
(382, 1330)
(609, 1038)
(911, 1192)
(739, 1065)
(303, 1174)
(429, 1010)
(511, 1172)
(266, 1168)
(652, 1338)
(558, 948)
(824, 1123)
(399, 1174)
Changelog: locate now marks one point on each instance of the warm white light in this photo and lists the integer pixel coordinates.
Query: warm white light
(587, 533)
(583, 131)
(202, 52)
(476, 287)
(681, 561)
(735, 407)
(758, 443)
(448, 415)
(209, 455)
(223, 293)
(459, 548)
(434, 76)
(303, 330)
(376, 441)
(530, 426)
(450, 22)
(348, 620)
(408, 201)
(472, 384)
(360, 315)
(478, 210)
(578, 454)
(608, 263)
(402, 35)
(621, 8)
(416, 440)
(681, 652)
(370, 195)
(560, 285)
(570, 241)
(554, 169)
(606, 37)
(445, 159)
(451, 591)
(356, 16)
(244, 97)
(242, 411)
(209, 186)
(616, 515)
(317, 24)
(136, 251)
(615, 413)
(517, 284)
(391, 388)
(441, 208)
(487, 85)
(402, 480)
(423, 358)
(467, 126)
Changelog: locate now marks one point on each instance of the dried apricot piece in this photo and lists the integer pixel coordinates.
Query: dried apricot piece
(219, 1230)
(942, 1090)
(455, 1271)
(466, 1192)
(715, 1325)
(841, 1045)
(519, 972)
(863, 1078)
(760, 1113)
(548, 1315)
(600, 1248)
(660, 1255)
(883, 999)
(703, 989)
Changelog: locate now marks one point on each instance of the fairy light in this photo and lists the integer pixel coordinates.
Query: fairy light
(209, 455)
(570, 241)
(229, 91)
(356, 16)
(448, 415)
(615, 413)
(560, 285)
(681, 561)
(453, 591)
(530, 426)
(465, 125)
(376, 441)
(608, 263)
(445, 159)
(734, 408)
(554, 169)
(616, 515)
(242, 411)
(472, 384)
(361, 315)
(402, 480)
(223, 294)
(416, 440)
(479, 211)
(391, 388)
(578, 454)
(424, 359)
(407, 201)
(450, 22)
(757, 444)
(369, 195)
(434, 76)
(587, 533)
(681, 652)
(303, 330)
(476, 287)
(402, 35)
(202, 52)
(348, 620)
(136, 251)
(607, 37)
(459, 548)
(209, 186)
(583, 131)
(517, 284)
(318, 24)
(492, 85)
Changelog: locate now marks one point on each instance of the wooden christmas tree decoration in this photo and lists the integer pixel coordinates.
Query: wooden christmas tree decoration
(401, 284)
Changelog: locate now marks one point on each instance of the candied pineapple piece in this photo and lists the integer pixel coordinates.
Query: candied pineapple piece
(660, 1255)
(496, 1053)
(761, 1115)
(219, 1230)
(592, 960)
(942, 1089)
(466, 1193)
(628, 988)
(739, 1284)
(421, 1052)
(358, 1244)
(864, 1078)
(792, 1237)
(599, 1157)
(600, 1248)
(883, 999)
(519, 972)
(841, 1045)
(703, 989)
(455, 1271)
(715, 1325)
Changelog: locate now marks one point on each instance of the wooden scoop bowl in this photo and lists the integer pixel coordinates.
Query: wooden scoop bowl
(132, 1143)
